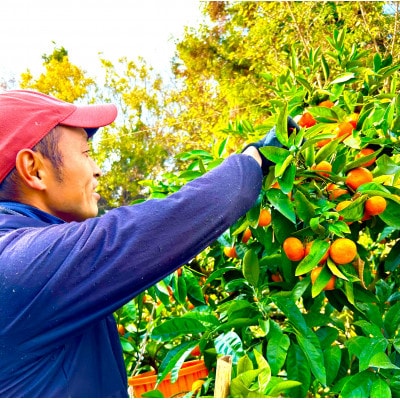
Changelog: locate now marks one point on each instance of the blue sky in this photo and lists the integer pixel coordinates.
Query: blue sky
(86, 28)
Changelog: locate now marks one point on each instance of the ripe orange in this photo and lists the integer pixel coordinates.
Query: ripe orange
(323, 166)
(277, 277)
(307, 251)
(353, 119)
(323, 142)
(314, 275)
(357, 177)
(121, 329)
(375, 205)
(344, 129)
(335, 191)
(294, 249)
(230, 252)
(265, 217)
(343, 251)
(246, 235)
(326, 103)
(366, 152)
(306, 120)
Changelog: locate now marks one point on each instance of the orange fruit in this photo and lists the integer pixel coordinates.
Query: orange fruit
(294, 249)
(265, 217)
(353, 119)
(314, 275)
(324, 166)
(277, 277)
(357, 177)
(246, 235)
(121, 329)
(343, 251)
(375, 205)
(306, 120)
(344, 129)
(323, 142)
(307, 251)
(326, 103)
(335, 191)
(366, 152)
(230, 252)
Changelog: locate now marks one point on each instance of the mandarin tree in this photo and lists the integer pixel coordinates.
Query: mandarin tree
(318, 336)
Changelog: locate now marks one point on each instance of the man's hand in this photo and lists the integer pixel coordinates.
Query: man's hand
(270, 139)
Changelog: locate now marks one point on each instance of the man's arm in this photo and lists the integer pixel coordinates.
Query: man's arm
(63, 277)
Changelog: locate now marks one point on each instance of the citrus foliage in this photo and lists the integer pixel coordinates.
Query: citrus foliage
(307, 304)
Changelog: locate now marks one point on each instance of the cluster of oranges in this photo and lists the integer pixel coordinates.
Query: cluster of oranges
(342, 189)
(341, 251)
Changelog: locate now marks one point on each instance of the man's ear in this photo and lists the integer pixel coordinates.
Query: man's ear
(30, 167)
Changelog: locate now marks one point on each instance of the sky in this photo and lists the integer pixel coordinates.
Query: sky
(85, 28)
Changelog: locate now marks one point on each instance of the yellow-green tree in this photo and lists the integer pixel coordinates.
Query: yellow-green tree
(61, 78)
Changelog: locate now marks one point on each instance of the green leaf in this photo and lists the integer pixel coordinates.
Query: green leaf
(153, 394)
(359, 385)
(380, 389)
(265, 375)
(392, 261)
(281, 126)
(342, 78)
(298, 370)
(205, 315)
(229, 344)
(305, 209)
(335, 270)
(381, 360)
(281, 168)
(193, 288)
(179, 288)
(173, 361)
(306, 338)
(324, 114)
(277, 347)
(244, 364)
(277, 386)
(311, 260)
(275, 154)
(391, 322)
(375, 346)
(286, 181)
(332, 359)
(177, 327)
(251, 268)
(282, 203)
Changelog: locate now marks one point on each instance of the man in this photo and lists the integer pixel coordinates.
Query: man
(64, 271)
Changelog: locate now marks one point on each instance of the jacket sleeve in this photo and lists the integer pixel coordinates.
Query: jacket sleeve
(63, 277)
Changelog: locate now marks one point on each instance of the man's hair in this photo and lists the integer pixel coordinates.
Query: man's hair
(48, 148)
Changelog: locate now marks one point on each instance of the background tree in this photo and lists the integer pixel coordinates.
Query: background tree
(61, 78)
(231, 59)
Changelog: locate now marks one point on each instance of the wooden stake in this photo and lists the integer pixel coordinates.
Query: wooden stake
(223, 377)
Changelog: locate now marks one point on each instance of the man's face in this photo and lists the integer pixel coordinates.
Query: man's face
(74, 197)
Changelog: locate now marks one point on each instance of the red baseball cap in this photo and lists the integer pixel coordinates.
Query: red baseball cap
(27, 116)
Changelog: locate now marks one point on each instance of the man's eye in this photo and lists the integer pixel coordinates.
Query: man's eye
(87, 152)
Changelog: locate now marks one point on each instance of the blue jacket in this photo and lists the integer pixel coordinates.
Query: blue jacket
(61, 282)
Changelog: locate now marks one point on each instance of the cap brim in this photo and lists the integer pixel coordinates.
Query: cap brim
(91, 117)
